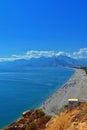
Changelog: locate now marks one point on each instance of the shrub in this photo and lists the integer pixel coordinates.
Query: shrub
(39, 113)
(66, 106)
(33, 126)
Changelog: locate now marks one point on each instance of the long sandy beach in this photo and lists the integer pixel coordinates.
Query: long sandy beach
(75, 87)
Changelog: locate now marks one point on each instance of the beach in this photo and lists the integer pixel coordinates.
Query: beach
(75, 87)
(25, 90)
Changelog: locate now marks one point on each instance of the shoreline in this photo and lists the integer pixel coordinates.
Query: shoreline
(19, 117)
(75, 87)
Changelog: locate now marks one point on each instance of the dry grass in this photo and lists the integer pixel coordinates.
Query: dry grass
(75, 119)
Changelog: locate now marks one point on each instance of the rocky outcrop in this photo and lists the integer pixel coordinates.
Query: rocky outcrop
(30, 120)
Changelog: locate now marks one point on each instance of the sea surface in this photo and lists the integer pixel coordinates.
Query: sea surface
(22, 90)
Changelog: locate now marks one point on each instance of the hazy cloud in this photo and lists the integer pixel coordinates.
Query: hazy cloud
(82, 53)
(63, 53)
(37, 54)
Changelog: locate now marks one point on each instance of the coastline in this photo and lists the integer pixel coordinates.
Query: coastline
(26, 110)
(75, 87)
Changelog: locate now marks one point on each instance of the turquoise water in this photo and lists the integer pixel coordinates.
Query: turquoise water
(23, 90)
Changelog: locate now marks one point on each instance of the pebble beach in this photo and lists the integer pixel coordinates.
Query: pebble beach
(75, 87)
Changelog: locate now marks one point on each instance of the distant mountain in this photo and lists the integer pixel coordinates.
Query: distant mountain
(66, 61)
(60, 60)
(48, 61)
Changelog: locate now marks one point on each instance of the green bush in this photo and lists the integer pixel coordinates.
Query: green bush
(39, 113)
(66, 106)
(84, 68)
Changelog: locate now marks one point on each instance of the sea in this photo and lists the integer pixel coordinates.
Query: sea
(22, 90)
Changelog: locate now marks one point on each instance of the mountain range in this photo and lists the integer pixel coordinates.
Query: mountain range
(54, 61)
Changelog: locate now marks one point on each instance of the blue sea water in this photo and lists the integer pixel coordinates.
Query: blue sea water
(26, 89)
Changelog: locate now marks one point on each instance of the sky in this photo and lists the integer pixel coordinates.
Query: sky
(42, 25)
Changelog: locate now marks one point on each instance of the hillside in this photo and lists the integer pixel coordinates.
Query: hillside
(70, 119)
(30, 120)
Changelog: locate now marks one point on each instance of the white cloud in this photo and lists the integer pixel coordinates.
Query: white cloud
(82, 53)
(60, 53)
(30, 54)
(37, 54)
(63, 53)
(33, 54)
(7, 59)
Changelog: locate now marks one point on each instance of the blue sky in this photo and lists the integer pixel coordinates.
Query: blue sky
(58, 25)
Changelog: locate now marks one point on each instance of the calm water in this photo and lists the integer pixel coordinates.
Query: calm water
(23, 90)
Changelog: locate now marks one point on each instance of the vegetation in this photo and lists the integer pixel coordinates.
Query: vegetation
(30, 120)
(75, 119)
(84, 68)
(39, 113)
